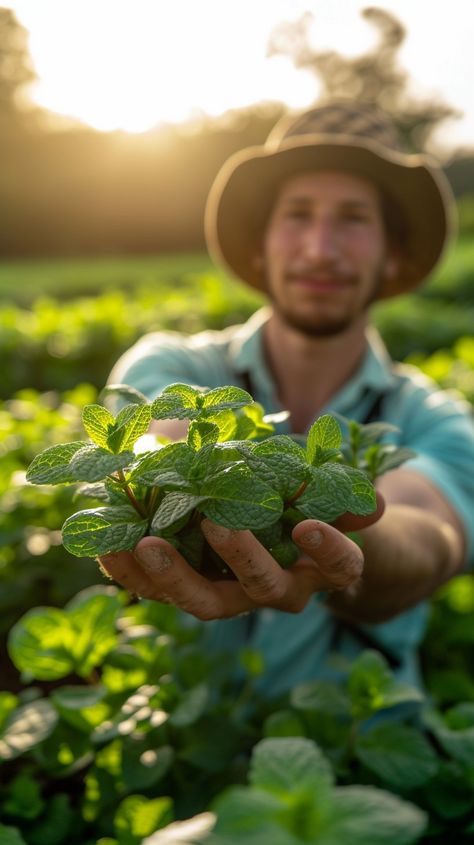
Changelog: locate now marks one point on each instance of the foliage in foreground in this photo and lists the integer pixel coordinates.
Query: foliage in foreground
(141, 727)
(230, 469)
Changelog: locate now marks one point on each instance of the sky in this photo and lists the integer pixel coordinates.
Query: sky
(133, 64)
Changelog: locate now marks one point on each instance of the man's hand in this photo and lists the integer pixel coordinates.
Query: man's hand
(329, 561)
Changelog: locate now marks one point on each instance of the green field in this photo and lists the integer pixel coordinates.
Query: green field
(25, 279)
(22, 280)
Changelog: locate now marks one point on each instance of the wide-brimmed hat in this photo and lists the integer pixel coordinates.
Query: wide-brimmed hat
(338, 136)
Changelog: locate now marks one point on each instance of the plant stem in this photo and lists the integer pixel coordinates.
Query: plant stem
(133, 501)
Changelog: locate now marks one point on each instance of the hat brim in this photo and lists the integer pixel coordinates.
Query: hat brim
(244, 190)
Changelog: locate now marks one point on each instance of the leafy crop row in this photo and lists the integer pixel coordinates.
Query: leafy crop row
(141, 728)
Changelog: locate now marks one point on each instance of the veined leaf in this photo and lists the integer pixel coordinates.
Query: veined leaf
(51, 466)
(327, 494)
(130, 424)
(174, 507)
(238, 499)
(172, 461)
(201, 433)
(221, 398)
(177, 401)
(93, 463)
(98, 421)
(363, 500)
(325, 433)
(96, 532)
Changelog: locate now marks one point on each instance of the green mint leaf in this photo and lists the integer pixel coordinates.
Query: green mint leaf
(325, 433)
(373, 432)
(399, 754)
(222, 398)
(98, 531)
(285, 460)
(130, 424)
(93, 463)
(365, 815)
(213, 459)
(327, 494)
(362, 500)
(51, 466)
(97, 422)
(173, 508)
(238, 499)
(393, 456)
(202, 433)
(177, 401)
(124, 391)
(168, 465)
(286, 765)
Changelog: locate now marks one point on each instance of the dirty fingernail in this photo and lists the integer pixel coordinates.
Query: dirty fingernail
(153, 559)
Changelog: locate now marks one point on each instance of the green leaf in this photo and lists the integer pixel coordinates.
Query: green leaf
(327, 494)
(130, 424)
(177, 401)
(393, 456)
(51, 466)
(8, 703)
(138, 817)
(94, 532)
(173, 508)
(24, 799)
(224, 398)
(399, 754)
(191, 707)
(26, 728)
(286, 461)
(321, 697)
(143, 766)
(93, 613)
(97, 422)
(237, 499)
(93, 463)
(11, 836)
(363, 815)
(372, 686)
(458, 742)
(242, 811)
(40, 643)
(167, 467)
(325, 433)
(362, 500)
(289, 764)
(202, 433)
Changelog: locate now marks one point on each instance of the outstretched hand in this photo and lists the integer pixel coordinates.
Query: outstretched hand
(329, 561)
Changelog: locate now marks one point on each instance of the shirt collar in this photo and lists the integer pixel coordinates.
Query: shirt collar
(375, 372)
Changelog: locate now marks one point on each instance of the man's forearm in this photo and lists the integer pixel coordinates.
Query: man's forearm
(408, 554)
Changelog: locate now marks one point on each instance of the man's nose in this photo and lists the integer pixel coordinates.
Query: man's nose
(320, 241)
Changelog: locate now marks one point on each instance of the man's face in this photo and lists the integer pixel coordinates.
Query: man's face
(324, 251)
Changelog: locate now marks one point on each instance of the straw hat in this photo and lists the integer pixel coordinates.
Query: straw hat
(340, 135)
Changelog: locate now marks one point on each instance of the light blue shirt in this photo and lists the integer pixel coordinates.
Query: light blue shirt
(435, 425)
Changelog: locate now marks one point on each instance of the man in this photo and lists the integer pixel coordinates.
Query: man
(326, 218)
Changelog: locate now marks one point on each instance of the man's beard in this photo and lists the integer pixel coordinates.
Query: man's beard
(326, 327)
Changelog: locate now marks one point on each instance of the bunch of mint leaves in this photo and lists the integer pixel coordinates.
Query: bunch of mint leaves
(231, 468)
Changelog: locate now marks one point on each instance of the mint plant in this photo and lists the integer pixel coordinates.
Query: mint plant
(232, 468)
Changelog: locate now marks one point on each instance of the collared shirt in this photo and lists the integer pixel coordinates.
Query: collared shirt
(435, 425)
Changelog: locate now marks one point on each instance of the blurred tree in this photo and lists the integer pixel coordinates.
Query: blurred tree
(16, 72)
(373, 77)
